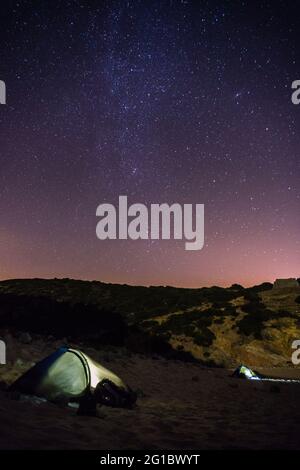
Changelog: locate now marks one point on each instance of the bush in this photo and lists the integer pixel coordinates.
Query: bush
(205, 337)
(260, 287)
(250, 326)
(257, 314)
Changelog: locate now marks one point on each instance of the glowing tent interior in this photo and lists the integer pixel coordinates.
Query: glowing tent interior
(68, 374)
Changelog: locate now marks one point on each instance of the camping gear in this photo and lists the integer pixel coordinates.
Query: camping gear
(70, 375)
(244, 372)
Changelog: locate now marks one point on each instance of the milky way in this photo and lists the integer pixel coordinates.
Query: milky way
(170, 101)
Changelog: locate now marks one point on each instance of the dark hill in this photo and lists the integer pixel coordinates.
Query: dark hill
(215, 325)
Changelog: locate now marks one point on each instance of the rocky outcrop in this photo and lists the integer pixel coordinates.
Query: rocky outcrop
(283, 283)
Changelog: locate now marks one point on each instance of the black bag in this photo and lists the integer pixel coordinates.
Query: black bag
(109, 394)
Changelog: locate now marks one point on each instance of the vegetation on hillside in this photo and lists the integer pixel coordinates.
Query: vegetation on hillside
(143, 319)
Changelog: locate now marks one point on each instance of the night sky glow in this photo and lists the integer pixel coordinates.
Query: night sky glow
(162, 101)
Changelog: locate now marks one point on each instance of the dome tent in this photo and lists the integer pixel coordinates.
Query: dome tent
(67, 374)
(244, 372)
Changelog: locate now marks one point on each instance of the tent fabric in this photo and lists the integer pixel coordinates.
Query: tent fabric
(244, 372)
(65, 374)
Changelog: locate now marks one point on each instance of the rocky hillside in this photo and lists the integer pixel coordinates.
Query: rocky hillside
(217, 326)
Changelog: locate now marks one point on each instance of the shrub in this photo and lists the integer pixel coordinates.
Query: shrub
(204, 337)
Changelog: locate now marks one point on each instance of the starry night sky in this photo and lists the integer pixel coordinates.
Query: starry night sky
(163, 101)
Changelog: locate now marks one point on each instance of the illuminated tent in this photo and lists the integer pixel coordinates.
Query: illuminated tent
(243, 372)
(66, 374)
